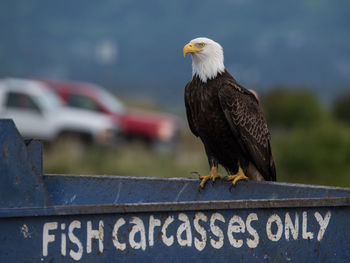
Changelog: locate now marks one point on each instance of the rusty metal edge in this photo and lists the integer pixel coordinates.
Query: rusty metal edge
(174, 206)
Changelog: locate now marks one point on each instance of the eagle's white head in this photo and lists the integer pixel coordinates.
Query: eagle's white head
(207, 58)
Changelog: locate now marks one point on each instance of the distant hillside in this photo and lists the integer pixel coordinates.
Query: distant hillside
(135, 46)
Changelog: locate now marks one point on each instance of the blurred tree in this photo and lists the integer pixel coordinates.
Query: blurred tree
(341, 108)
(286, 109)
(319, 155)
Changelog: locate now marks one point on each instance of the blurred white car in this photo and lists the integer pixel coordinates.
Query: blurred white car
(39, 113)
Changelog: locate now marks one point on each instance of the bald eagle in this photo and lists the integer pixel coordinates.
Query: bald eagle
(226, 117)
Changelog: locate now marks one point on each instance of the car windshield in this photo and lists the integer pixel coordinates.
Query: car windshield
(49, 100)
(111, 102)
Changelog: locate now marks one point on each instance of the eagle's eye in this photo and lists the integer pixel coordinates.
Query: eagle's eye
(200, 45)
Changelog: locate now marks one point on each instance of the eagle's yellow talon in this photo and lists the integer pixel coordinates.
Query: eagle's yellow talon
(204, 180)
(238, 176)
(213, 176)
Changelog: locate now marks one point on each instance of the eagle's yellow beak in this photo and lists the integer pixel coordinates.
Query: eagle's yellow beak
(190, 48)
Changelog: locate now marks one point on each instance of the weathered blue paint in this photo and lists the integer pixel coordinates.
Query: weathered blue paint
(21, 183)
(56, 218)
(79, 190)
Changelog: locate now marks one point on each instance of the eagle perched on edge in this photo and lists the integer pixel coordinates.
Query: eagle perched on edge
(226, 117)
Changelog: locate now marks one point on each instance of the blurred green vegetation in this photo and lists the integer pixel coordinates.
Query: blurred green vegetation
(342, 108)
(318, 154)
(286, 108)
(129, 159)
(311, 144)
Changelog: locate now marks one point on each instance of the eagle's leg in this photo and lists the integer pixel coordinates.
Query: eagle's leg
(213, 164)
(236, 177)
(213, 175)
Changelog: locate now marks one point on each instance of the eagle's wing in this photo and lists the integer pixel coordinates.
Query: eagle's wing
(247, 122)
(188, 109)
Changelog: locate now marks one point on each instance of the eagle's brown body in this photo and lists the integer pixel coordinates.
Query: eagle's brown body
(229, 121)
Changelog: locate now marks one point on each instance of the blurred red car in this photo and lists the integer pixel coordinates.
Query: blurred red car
(159, 130)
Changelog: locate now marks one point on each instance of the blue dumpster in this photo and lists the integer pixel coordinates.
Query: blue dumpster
(70, 218)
